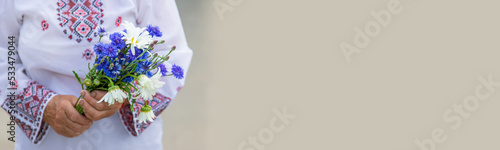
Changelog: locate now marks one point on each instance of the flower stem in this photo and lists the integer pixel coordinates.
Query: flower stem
(78, 107)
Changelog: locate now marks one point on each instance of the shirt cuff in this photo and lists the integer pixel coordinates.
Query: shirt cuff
(129, 118)
(27, 108)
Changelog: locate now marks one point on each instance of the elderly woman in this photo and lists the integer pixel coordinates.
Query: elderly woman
(43, 41)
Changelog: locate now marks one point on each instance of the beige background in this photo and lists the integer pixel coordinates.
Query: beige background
(271, 54)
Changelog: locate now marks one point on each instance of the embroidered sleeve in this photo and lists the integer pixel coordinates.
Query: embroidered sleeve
(158, 104)
(27, 108)
(165, 15)
(22, 98)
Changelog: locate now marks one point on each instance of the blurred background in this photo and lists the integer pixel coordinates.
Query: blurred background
(273, 75)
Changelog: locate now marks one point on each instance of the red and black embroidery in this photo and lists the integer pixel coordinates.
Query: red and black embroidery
(118, 21)
(45, 25)
(80, 18)
(88, 54)
(159, 103)
(28, 110)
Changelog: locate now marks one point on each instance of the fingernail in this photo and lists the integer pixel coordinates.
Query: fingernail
(82, 93)
(93, 94)
(81, 102)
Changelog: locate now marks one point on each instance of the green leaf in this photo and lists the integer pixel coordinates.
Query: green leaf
(102, 89)
(129, 98)
(132, 105)
(135, 88)
(78, 78)
(78, 107)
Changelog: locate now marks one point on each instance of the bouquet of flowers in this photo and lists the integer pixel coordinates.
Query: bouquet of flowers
(127, 69)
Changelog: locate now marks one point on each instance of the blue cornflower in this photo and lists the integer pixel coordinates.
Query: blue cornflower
(120, 56)
(113, 69)
(131, 56)
(99, 48)
(116, 73)
(108, 72)
(142, 67)
(163, 69)
(128, 79)
(110, 51)
(116, 40)
(101, 63)
(101, 31)
(137, 53)
(150, 74)
(154, 31)
(104, 66)
(177, 71)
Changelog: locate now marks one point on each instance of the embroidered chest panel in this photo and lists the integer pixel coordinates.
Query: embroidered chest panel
(80, 18)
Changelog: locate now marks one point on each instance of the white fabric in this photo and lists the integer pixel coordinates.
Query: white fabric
(105, 134)
(49, 56)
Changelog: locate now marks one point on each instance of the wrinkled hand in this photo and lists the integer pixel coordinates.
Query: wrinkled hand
(96, 111)
(63, 117)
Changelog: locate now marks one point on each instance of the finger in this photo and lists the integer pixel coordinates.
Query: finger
(98, 94)
(91, 113)
(95, 114)
(64, 131)
(116, 106)
(70, 128)
(73, 126)
(94, 102)
(74, 116)
(77, 128)
(60, 125)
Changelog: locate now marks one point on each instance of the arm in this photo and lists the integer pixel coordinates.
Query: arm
(165, 15)
(24, 99)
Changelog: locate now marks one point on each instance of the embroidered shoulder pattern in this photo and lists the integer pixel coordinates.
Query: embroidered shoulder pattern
(80, 18)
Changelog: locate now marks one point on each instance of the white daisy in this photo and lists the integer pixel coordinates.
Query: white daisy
(136, 37)
(114, 94)
(149, 86)
(146, 114)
